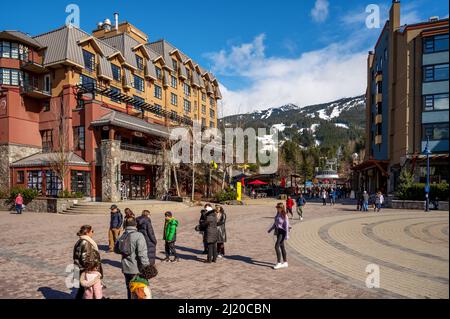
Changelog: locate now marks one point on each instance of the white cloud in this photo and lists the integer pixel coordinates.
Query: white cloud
(314, 77)
(320, 11)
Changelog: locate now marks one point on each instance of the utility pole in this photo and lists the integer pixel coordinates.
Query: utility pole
(427, 152)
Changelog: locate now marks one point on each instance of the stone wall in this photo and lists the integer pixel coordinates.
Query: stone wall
(414, 204)
(41, 205)
(9, 154)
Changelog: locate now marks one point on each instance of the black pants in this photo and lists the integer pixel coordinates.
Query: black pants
(279, 245)
(128, 278)
(170, 249)
(212, 252)
(221, 249)
(80, 293)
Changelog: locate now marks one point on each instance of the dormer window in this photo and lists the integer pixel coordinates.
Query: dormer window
(158, 73)
(175, 65)
(116, 71)
(140, 63)
(89, 61)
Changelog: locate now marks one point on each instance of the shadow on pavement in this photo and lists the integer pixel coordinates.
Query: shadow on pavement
(249, 260)
(190, 250)
(113, 263)
(50, 293)
(103, 248)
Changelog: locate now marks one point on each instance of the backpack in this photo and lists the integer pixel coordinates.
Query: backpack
(123, 245)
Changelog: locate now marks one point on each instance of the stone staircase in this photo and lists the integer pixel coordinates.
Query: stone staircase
(99, 208)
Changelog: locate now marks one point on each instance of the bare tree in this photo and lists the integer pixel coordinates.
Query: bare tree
(60, 156)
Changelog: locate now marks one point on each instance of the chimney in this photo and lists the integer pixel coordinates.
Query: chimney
(394, 16)
(116, 21)
(433, 19)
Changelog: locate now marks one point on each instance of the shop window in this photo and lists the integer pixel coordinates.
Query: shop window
(35, 180)
(53, 185)
(20, 177)
(80, 182)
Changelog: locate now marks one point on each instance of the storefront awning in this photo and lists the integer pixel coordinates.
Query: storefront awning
(381, 165)
(47, 159)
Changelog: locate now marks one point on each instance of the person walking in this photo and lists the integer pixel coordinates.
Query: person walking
(365, 201)
(379, 199)
(289, 206)
(84, 252)
(333, 197)
(281, 228)
(198, 228)
(19, 203)
(170, 237)
(221, 229)
(115, 226)
(324, 197)
(128, 214)
(301, 202)
(209, 226)
(133, 249)
(144, 226)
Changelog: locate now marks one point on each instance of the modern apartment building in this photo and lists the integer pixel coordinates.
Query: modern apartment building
(407, 102)
(101, 103)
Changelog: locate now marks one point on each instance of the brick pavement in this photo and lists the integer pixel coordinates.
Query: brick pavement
(36, 248)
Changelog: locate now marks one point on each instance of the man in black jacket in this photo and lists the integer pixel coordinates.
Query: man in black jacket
(209, 226)
(115, 226)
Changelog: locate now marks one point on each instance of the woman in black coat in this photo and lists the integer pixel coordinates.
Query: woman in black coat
(222, 233)
(209, 226)
(144, 226)
(200, 222)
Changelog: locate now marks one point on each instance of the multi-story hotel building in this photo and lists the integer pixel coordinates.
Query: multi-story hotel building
(407, 102)
(101, 103)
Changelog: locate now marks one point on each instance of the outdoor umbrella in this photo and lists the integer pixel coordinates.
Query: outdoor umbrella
(257, 182)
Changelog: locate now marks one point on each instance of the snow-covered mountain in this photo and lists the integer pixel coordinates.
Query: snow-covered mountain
(320, 124)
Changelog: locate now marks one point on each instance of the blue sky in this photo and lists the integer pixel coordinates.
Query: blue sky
(245, 43)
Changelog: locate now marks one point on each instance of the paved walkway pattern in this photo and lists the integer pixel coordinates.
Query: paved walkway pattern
(328, 253)
(410, 248)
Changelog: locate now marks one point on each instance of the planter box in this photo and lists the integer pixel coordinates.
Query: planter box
(41, 205)
(414, 204)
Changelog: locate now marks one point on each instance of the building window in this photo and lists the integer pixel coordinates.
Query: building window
(187, 106)
(11, 77)
(211, 124)
(203, 122)
(385, 54)
(158, 109)
(158, 92)
(20, 177)
(187, 89)
(116, 72)
(140, 63)
(212, 102)
(115, 92)
(35, 180)
(86, 80)
(438, 72)
(173, 115)
(203, 97)
(47, 140)
(379, 87)
(138, 83)
(80, 182)
(5, 49)
(380, 108)
(203, 109)
(435, 131)
(212, 113)
(175, 65)
(435, 102)
(45, 106)
(78, 138)
(13, 50)
(53, 185)
(89, 61)
(173, 82)
(437, 43)
(158, 73)
(173, 99)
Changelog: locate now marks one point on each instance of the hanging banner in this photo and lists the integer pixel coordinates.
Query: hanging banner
(239, 190)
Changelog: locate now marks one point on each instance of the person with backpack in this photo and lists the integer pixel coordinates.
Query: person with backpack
(133, 249)
(144, 226)
(301, 202)
(115, 226)
(170, 237)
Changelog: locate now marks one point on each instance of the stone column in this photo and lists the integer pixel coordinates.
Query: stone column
(111, 160)
(4, 168)
(162, 180)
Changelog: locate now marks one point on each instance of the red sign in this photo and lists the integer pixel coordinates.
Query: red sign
(138, 168)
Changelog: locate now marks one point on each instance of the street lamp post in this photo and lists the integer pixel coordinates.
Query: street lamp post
(427, 152)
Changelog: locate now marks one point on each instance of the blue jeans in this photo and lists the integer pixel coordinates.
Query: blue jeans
(365, 206)
(19, 209)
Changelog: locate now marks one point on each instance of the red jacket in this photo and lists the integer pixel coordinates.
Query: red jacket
(19, 200)
(290, 203)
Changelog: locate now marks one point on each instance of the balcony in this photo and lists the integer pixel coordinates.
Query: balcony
(378, 98)
(33, 67)
(378, 119)
(34, 92)
(378, 77)
(378, 139)
(139, 149)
